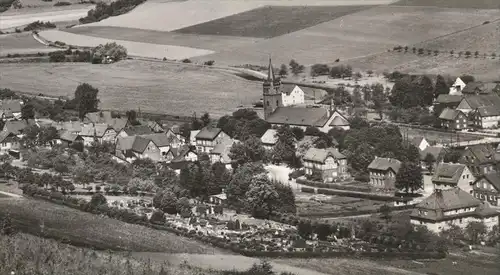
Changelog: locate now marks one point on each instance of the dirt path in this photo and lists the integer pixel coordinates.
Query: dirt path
(11, 195)
(221, 262)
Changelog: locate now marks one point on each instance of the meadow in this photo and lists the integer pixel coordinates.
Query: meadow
(54, 221)
(21, 43)
(209, 42)
(357, 35)
(26, 254)
(271, 21)
(466, 4)
(154, 87)
(133, 48)
(164, 15)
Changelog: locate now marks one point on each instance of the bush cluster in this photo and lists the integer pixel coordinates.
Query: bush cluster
(70, 56)
(103, 10)
(332, 185)
(37, 25)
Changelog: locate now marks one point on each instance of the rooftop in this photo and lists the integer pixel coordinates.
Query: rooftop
(300, 116)
(137, 130)
(476, 101)
(448, 99)
(384, 164)
(160, 139)
(269, 137)
(449, 114)
(320, 155)
(13, 106)
(133, 143)
(97, 130)
(448, 173)
(484, 153)
(493, 179)
(209, 133)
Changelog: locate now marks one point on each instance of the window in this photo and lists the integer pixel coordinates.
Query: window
(277, 103)
(268, 103)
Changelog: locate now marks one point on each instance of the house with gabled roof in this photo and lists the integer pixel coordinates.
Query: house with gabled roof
(135, 130)
(472, 102)
(330, 162)
(487, 188)
(8, 141)
(437, 152)
(383, 172)
(106, 117)
(292, 95)
(450, 175)
(480, 159)
(165, 143)
(10, 109)
(97, 133)
(136, 147)
(269, 139)
(208, 138)
(67, 138)
(486, 117)
(420, 142)
(457, 87)
(220, 153)
(453, 206)
(153, 125)
(475, 88)
(453, 119)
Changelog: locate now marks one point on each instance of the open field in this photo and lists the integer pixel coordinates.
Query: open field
(341, 266)
(209, 42)
(271, 21)
(466, 263)
(482, 38)
(334, 204)
(21, 43)
(164, 15)
(85, 229)
(3, 196)
(133, 48)
(358, 35)
(22, 17)
(468, 4)
(26, 254)
(437, 136)
(154, 87)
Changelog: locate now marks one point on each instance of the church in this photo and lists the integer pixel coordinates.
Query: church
(277, 113)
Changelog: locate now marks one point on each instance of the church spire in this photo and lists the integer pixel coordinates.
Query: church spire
(270, 72)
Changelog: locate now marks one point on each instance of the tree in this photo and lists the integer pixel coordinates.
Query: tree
(409, 153)
(476, 54)
(283, 70)
(205, 119)
(442, 87)
(452, 156)
(284, 150)
(184, 207)
(385, 212)
(369, 72)
(132, 116)
(86, 99)
(109, 50)
(250, 150)
(357, 76)
(296, 68)
(166, 201)
(409, 177)
(319, 69)
(429, 161)
(467, 78)
(379, 98)
(239, 184)
(28, 111)
(298, 133)
(475, 231)
(97, 200)
(357, 99)
(83, 176)
(261, 197)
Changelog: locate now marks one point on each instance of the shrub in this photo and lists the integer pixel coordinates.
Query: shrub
(307, 190)
(57, 56)
(157, 217)
(62, 4)
(37, 25)
(209, 63)
(186, 60)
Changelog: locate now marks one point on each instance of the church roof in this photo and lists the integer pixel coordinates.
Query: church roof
(271, 77)
(299, 116)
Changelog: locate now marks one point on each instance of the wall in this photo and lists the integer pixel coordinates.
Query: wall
(152, 152)
(295, 97)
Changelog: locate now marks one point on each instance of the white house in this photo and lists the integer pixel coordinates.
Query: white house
(420, 142)
(329, 162)
(292, 95)
(164, 143)
(452, 206)
(457, 87)
(8, 141)
(208, 138)
(221, 151)
(451, 175)
(269, 139)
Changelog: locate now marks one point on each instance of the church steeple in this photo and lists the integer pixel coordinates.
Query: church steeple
(271, 91)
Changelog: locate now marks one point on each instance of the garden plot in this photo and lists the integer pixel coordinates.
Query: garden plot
(133, 48)
(11, 20)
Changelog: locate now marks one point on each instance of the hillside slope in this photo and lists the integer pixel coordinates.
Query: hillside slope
(466, 4)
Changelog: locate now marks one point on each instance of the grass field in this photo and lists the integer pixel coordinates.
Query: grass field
(209, 42)
(358, 35)
(133, 48)
(21, 43)
(483, 38)
(164, 15)
(154, 87)
(473, 4)
(270, 21)
(2, 196)
(87, 229)
(23, 17)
